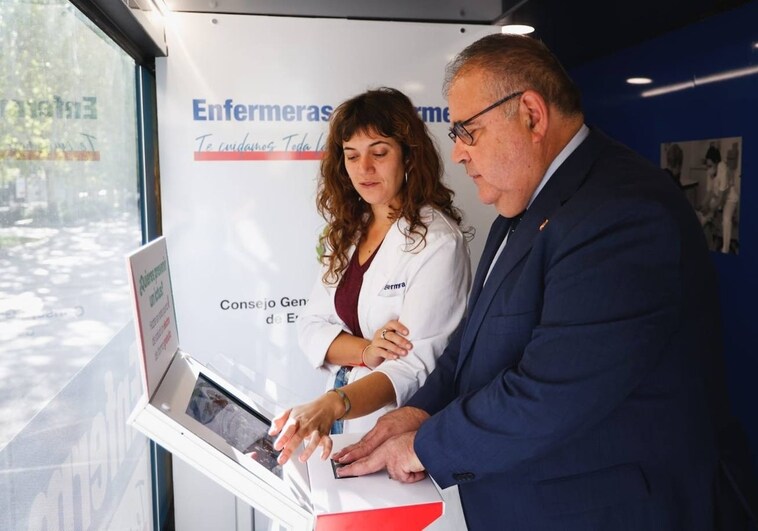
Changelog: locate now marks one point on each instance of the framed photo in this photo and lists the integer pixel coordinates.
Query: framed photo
(709, 172)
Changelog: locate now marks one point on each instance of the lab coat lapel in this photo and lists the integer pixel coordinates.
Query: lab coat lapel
(381, 269)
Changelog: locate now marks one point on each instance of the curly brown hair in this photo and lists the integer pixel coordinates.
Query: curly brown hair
(389, 113)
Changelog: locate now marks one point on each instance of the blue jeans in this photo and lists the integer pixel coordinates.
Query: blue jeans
(340, 380)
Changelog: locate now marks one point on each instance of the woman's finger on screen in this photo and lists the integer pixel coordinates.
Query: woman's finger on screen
(279, 421)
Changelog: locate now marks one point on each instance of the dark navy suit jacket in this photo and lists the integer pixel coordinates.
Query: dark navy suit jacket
(584, 389)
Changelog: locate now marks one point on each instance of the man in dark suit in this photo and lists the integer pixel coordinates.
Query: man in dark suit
(584, 390)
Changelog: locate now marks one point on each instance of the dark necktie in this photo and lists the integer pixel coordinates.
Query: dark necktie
(483, 272)
(514, 222)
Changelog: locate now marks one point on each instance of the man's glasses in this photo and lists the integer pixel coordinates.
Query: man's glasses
(458, 130)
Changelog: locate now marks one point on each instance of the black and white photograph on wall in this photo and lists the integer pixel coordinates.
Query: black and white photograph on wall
(709, 174)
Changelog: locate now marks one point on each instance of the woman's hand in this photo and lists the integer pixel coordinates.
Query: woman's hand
(309, 422)
(388, 343)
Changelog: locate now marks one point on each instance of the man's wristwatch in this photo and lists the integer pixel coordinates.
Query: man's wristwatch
(345, 400)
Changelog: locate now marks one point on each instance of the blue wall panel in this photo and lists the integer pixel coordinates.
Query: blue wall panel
(722, 44)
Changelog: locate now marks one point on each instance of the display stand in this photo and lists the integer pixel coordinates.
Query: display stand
(200, 417)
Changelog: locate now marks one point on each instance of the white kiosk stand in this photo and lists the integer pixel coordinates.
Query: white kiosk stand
(201, 418)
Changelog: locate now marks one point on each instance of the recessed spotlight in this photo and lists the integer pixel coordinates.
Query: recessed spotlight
(639, 80)
(518, 29)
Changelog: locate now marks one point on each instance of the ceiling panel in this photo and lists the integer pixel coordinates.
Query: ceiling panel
(433, 10)
(577, 31)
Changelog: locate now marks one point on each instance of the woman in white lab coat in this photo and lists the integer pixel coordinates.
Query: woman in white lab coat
(396, 271)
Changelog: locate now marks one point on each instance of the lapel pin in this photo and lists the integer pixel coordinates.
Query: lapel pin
(544, 224)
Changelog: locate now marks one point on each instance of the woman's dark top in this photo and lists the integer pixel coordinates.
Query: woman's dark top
(347, 293)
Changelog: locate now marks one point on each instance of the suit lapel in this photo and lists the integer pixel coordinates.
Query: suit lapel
(562, 185)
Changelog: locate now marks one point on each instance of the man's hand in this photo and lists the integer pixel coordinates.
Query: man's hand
(396, 455)
(395, 422)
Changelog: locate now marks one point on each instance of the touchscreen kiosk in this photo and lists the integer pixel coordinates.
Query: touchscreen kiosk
(201, 418)
(239, 425)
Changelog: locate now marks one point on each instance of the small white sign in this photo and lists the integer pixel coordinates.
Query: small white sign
(155, 318)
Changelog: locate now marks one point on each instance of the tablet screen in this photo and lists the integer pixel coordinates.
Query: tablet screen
(243, 428)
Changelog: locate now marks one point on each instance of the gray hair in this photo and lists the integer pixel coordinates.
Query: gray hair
(517, 62)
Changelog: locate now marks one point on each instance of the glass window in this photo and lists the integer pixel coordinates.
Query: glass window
(69, 213)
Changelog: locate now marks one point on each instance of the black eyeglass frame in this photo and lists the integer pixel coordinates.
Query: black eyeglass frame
(458, 129)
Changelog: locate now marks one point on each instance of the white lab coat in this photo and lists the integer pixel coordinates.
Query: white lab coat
(425, 288)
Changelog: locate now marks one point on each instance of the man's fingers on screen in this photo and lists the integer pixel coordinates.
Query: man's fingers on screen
(348, 454)
(339, 455)
(361, 467)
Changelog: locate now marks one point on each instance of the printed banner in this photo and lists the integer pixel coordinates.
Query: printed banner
(244, 104)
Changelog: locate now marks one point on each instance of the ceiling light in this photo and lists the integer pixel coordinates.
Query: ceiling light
(518, 29)
(639, 80)
(697, 81)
